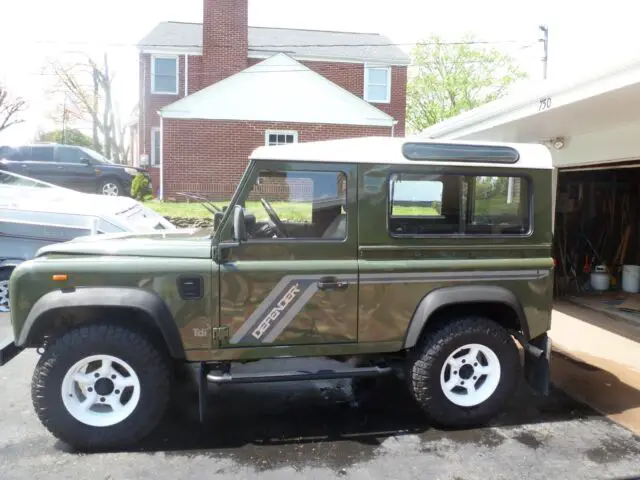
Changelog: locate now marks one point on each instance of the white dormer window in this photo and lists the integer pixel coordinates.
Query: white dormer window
(164, 74)
(377, 84)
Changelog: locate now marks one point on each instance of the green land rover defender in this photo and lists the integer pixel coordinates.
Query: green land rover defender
(426, 260)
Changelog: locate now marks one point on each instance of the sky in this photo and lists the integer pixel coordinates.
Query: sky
(581, 39)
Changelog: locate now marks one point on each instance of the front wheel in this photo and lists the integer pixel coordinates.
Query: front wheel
(111, 188)
(101, 386)
(464, 372)
(5, 273)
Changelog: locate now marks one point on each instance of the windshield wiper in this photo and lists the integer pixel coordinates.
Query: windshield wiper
(205, 202)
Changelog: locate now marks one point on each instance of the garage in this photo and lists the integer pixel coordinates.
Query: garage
(592, 128)
(597, 237)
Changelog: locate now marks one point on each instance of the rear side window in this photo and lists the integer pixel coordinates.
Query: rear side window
(15, 154)
(42, 154)
(441, 204)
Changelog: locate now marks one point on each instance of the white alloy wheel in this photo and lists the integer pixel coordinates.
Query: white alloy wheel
(100, 391)
(110, 189)
(470, 375)
(4, 294)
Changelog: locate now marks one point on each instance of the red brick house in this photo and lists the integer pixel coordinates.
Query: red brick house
(210, 93)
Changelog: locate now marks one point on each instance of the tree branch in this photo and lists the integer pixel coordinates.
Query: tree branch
(10, 110)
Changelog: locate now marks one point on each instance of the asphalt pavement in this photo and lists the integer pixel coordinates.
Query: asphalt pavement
(317, 430)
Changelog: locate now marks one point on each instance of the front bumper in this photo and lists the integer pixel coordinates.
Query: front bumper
(8, 351)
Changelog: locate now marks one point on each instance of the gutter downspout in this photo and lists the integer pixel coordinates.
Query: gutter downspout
(393, 128)
(186, 75)
(143, 113)
(161, 195)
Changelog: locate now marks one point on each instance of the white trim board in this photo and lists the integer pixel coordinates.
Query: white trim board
(155, 130)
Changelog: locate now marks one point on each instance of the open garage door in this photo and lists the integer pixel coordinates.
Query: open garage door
(597, 237)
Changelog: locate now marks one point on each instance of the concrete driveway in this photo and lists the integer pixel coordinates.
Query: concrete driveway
(315, 429)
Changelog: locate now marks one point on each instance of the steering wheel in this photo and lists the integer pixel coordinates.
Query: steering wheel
(274, 218)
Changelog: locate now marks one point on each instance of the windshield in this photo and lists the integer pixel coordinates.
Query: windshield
(96, 156)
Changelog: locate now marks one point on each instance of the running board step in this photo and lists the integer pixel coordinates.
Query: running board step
(268, 377)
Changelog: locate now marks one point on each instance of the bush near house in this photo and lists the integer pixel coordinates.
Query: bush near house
(140, 189)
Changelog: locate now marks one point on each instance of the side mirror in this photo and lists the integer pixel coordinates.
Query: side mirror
(239, 227)
(217, 219)
(85, 161)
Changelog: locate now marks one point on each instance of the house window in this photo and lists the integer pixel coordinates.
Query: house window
(377, 84)
(164, 74)
(155, 147)
(439, 204)
(280, 137)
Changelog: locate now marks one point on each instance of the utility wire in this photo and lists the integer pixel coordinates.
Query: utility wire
(281, 45)
(336, 66)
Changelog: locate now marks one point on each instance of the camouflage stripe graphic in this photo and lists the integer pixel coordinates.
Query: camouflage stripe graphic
(293, 292)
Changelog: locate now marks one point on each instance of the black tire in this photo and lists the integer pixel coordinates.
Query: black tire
(150, 365)
(5, 274)
(425, 365)
(111, 181)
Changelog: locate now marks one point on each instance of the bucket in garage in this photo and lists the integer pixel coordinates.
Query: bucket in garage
(600, 278)
(631, 278)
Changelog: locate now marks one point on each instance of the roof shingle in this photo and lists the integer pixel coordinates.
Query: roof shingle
(348, 46)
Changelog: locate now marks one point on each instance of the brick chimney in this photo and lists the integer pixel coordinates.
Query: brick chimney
(225, 42)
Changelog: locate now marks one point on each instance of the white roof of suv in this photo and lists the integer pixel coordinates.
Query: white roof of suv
(409, 151)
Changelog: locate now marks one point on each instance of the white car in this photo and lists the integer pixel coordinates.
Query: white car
(35, 213)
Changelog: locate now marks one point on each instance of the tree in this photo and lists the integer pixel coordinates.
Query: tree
(69, 136)
(88, 95)
(452, 78)
(10, 109)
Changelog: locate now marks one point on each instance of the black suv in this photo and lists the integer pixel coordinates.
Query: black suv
(70, 166)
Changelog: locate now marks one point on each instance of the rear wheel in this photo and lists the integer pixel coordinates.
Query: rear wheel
(101, 386)
(463, 373)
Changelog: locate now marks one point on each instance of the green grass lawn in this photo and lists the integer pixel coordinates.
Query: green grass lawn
(299, 211)
(292, 211)
(408, 211)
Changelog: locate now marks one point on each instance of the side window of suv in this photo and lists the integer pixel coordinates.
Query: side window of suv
(15, 154)
(304, 205)
(68, 155)
(440, 204)
(41, 154)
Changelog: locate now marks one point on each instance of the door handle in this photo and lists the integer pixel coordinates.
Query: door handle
(331, 283)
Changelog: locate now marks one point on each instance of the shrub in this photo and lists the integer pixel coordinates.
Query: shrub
(140, 189)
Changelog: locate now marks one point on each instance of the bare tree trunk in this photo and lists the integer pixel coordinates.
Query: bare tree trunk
(106, 120)
(95, 102)
(96, 106)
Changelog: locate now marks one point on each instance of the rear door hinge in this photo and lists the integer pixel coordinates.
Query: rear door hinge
(220, 333)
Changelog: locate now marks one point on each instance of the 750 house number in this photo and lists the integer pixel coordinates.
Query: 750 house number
(544, 104)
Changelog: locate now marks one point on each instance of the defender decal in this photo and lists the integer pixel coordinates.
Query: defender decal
(278, 309)
(293, 292)
(275, 313)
